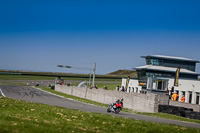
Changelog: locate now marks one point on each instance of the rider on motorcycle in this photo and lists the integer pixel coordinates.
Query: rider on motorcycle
(119, 102)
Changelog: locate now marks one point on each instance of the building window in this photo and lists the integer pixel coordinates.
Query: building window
(197, 98)
(197, 101)
(156, 62)
(132, 89)
(129, 90)
(159, 86)
(183, 92)
(177, 92)
(190, 97)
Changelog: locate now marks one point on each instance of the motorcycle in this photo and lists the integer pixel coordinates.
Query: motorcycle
(115, 108)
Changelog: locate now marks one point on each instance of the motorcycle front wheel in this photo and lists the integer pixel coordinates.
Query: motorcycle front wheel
(117, 110)
(108, 110)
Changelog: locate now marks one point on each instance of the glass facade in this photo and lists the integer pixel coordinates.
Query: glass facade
(156, 62)
(143, 74)
(171, 63)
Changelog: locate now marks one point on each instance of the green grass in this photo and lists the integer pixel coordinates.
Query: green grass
(169, 116)
(25, 117)
(27, 77)
(12, 83)
(110, 86)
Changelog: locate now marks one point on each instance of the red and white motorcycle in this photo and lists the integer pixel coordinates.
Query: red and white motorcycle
(115, 107)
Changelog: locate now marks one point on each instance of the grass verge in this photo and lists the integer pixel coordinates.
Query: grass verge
(34, 77)
(110, 86)
(25, 117)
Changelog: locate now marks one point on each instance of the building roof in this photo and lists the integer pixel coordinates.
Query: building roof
(171, 57)
(166, 69)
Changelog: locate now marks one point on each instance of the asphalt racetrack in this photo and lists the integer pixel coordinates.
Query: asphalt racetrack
(32, 94)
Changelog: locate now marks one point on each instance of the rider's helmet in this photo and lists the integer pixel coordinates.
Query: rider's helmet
(121, 99)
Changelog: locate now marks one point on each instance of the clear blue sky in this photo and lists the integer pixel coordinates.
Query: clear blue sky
(39, 34)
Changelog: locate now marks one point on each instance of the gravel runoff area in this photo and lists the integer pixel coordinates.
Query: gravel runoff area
(33, 94)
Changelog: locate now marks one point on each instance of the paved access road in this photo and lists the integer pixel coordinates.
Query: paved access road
(35, 95)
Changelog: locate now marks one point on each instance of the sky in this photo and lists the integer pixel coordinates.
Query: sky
(37, 35)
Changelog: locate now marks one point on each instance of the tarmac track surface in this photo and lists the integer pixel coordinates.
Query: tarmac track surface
(31, 94)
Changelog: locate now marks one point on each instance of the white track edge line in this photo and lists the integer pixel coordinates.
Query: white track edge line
(2, 93)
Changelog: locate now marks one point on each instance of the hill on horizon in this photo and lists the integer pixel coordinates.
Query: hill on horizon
(118, 73)
(131, 73)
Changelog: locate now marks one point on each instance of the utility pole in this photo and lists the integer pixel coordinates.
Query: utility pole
(94, 74)
(84, 68)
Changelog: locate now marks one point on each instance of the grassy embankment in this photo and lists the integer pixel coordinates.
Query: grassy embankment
(24, 117)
